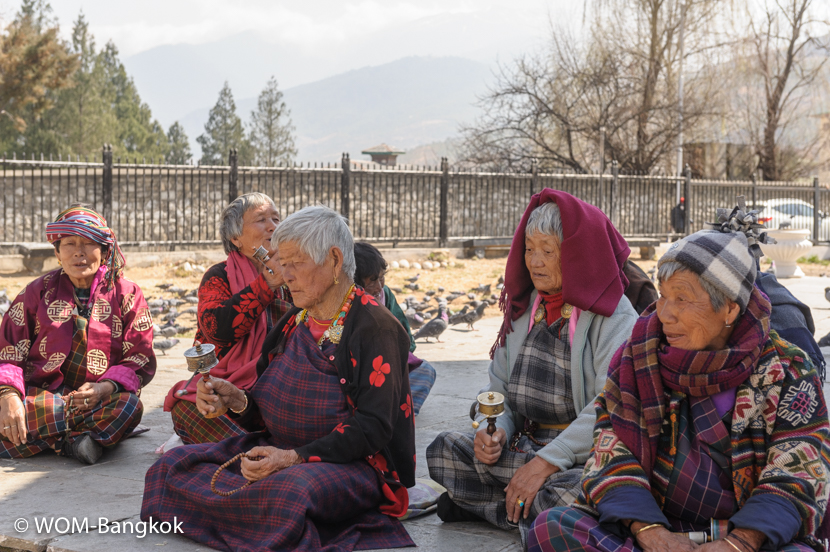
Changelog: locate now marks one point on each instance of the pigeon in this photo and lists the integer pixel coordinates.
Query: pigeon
(651, 273)
(397, 290)
(164, 344)
(176, 302)
(453, 296)
(785, 224)
(435, 327)
(155, 303)
(429, 294)
(192, 293)
(501, 280)
(415, 320)
(413, 287)
(5, 304)
(471, 318)
(190, 310)
(171, 316)
(440, 289)
(164, 286)
(471, 296)
(155, 311)
(483, 289)
(455, 318)
(176, 289)
(413, 279)
(168, 331)
(191, 299)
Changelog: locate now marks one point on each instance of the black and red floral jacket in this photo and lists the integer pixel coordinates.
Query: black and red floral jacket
(371, 361)
(224, 317)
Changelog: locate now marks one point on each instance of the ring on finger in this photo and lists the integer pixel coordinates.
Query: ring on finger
(86, 402)
(482, 446)
(520, 502)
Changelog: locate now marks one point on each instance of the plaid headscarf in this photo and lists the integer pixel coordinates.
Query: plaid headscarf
(86, 223)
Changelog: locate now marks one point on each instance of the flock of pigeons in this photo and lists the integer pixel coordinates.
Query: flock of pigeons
(432, 320)
(166, 310)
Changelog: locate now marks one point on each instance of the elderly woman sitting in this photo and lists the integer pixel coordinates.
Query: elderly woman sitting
(240, 300)
(76, 347)
(565, 316)
(336, 452)
(709, 423)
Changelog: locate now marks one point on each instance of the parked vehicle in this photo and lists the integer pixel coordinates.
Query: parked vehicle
(796, 212)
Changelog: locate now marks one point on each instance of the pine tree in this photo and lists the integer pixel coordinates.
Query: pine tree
(223, 131)
(179, 152)
(33, 62)
(271, 128)
(138, 134)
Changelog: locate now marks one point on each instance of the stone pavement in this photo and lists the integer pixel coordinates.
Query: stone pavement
(48, 487)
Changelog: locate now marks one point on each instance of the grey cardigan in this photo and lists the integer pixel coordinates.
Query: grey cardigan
(596, 339)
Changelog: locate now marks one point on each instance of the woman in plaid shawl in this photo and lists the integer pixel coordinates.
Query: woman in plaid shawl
(240, 300)
(709, 423)
(332, 450)
(76, 347)
(565, 314)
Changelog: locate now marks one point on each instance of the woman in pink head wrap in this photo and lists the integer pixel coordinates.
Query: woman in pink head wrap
(565, 314)
(76, 347)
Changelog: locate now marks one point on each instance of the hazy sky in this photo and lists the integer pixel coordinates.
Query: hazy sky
(308, 24)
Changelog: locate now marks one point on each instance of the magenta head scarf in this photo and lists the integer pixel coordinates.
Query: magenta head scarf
(593, 254)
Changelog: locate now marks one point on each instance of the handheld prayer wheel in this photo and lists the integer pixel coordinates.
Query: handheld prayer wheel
(491, 405)
(261, 254)
(200, 359)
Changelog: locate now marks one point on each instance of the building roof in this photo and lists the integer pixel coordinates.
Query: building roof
(382, 149)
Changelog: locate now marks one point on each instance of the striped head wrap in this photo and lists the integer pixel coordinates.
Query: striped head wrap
(86, 223)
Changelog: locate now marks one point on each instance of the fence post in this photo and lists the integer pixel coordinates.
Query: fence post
(444, 223)
(687, 193)
(816, 198)
(345, 184)
(233, 175)
(106, 184)
(754, 189)
(615, 174)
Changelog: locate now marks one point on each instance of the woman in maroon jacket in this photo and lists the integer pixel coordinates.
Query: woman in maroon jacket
(335, 452)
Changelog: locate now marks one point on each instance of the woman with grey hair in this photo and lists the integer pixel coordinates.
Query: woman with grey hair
(240, 300)
(565, 314)
(334, 451)
(712, 431)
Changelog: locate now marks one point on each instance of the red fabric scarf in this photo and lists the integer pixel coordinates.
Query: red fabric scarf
(634, 393)
(239, 365)
(593, 255)
(553, 306)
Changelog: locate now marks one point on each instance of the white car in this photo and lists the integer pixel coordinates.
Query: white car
(796, 212)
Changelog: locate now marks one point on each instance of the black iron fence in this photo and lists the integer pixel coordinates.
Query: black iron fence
(177, 205)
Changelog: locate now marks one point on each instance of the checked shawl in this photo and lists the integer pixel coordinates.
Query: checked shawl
(780, 435)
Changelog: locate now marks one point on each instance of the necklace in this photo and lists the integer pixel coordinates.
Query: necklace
(335, 329)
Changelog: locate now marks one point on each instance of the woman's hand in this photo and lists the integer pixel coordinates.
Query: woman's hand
(488, 447)
(747, 540)
(274, 280)
(661, 539)
(524, 485)
(90, 394)
(216, 393)
(273, 460)
(13, 419)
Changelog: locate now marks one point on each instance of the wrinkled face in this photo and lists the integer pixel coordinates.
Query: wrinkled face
(689, 321)
(307, 281)
(80, 259)
(542, 258)
(258, 224)
(374, 284)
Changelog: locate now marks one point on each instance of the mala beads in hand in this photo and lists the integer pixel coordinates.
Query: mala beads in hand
(225, 465)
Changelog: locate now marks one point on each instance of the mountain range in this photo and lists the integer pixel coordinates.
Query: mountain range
(405, 103)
